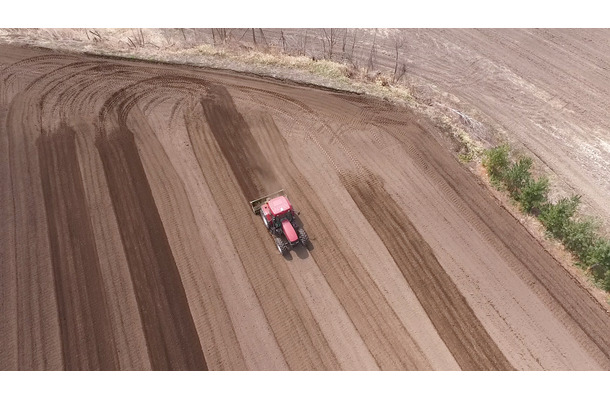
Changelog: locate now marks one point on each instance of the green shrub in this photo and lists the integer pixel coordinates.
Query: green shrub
(496, 162)
(580, 237)
(517, 177)
(556, 217)
(534, 195)
(598, 257)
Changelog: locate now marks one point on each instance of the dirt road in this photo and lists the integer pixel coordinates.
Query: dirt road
(127, 241)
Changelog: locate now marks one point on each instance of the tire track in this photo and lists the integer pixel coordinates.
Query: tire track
(8, 265)
(296, 331)
(253, 172)
(170, 333)
(71, 92)
(119, 292)
(470, 358)
(448, 310)
(38, 343)
(87, 342)
(245, 319)
(386, 338)
(500, 299)
(556, 287)
(212, 320)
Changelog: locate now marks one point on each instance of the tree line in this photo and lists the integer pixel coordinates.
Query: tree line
(579, 234)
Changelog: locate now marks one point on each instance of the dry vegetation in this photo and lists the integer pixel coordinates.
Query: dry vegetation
(334, 65)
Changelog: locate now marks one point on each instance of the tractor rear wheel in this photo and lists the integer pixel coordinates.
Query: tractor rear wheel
(303, 237)
(281, 245)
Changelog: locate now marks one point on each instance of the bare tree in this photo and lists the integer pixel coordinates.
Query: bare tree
(244, 34)
(95, 35)
(305, 43)
(344, 44)
(138, 38)
(402, 70)
(262, 34)
(283, 40)
(351, 55)
(220, 35)
(330, 37)
(399, 40)
(373, 54)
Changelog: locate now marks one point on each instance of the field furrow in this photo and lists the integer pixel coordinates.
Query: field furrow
(128, 243)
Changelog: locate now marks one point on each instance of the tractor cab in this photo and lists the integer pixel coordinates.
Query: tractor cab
(280, 208)
(277, 209)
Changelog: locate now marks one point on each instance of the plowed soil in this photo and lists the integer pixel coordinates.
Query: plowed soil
(127, 241)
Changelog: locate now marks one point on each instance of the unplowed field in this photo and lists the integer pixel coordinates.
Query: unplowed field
(127, 242)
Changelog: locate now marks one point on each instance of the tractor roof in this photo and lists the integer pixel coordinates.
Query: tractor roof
(279, 204)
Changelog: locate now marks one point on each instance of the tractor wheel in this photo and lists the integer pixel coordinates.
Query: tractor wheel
(303, 237)
(281, 245)
(265, 220)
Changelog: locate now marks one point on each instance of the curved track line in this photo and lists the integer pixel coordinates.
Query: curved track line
(470, 356)
(132, 112)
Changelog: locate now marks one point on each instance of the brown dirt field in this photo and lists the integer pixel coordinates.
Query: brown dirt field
(128, 243)
(81, 305)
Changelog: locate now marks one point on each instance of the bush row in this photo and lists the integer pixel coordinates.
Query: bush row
(580, 235)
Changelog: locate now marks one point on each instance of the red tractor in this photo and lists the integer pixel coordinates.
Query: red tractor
(280, 219)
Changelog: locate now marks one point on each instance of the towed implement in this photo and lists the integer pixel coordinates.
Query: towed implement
(280, 220)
